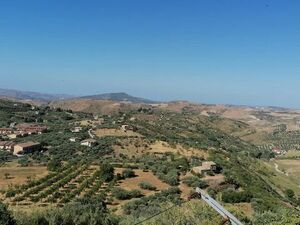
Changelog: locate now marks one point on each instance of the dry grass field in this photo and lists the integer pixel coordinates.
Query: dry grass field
(115, 132)
(162, 147)
(290, 166)
(291, 154)
(283, 181)
(138, 146)
(19, 175)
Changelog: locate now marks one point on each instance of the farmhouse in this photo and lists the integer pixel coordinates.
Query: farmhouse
(89, 142)
(278, 151)
(7, 145)
(26, 147)
(73, 139)
(208, 166)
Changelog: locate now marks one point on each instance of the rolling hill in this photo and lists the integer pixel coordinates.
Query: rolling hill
(121, 96)
(30, 95)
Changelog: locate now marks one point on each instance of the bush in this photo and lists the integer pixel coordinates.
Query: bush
(230, 196)
(5, 216)
(123, 194)
(290, 193)
(128, 173)
(211, 192)
(83, 212)
(147, 186)
(193, 181)
(54, 165)
(107, 172)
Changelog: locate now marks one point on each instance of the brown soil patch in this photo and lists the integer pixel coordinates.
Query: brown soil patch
(141, 176)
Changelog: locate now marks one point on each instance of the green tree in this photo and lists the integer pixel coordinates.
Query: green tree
(107, 172)
(5, 216)
(54, 165)
(290, 193)
(128, 173)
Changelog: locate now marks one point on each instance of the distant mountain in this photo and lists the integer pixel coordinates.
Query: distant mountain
(33, 96)
(121, 96)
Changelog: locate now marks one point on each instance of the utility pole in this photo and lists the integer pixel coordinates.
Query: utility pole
(220, 209)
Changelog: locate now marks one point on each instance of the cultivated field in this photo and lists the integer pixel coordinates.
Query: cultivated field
(74, 181)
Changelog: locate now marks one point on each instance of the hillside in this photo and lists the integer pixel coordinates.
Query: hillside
(119, 97)
(132, 174)
(30, 95)
(95, 106)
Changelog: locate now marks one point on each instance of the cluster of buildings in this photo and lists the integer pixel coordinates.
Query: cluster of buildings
(21, 130)
(20, 148)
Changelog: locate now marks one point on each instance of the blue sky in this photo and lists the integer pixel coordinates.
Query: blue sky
(212, 51)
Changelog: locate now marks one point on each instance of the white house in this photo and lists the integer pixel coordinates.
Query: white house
(76, 129)
(89, 142)
(73, 139)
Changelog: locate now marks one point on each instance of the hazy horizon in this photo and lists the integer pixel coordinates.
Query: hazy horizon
(218, 52)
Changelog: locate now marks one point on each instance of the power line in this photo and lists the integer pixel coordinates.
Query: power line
(159, 213)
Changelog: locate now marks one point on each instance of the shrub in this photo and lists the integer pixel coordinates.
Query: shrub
(107, 172)
(5, 216)
(128, 173)
(211, 192)
(123, 194)
(147, 186)
(193, 181)
(230, 196)
(54, 165)
(289, 193)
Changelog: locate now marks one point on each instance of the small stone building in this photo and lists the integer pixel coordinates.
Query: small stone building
(26, 147)
(207, 166)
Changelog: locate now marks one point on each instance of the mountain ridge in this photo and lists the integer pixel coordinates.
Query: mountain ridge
(118, 96)
(31, 95)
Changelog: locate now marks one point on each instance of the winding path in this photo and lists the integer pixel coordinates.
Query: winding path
(278, 170)
(90, 133)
